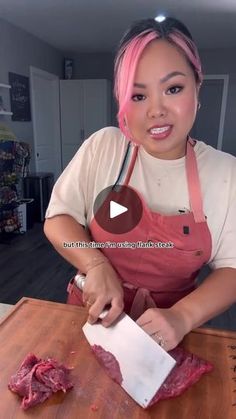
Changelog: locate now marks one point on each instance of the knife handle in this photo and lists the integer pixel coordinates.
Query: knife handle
(103, 314)
(80, 281)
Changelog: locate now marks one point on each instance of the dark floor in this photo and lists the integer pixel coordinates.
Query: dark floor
(30, 267)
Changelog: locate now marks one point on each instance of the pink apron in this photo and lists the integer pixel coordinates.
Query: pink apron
(159, 276)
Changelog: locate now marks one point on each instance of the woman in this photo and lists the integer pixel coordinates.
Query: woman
(185, 201)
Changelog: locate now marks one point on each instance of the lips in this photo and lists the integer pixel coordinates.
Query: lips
(158, 132)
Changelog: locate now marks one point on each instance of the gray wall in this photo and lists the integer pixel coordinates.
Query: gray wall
(216, 61)
(89, 66)
(18, 51)
(222, 61)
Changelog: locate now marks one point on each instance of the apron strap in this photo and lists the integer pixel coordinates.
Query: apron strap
(123, 164)
(141, 302)
(194, 187)
(131, 166)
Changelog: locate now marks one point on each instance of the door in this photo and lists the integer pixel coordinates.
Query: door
(209, 124)
(72, 117)
(97, 107)
(46, 121)
(85, 108)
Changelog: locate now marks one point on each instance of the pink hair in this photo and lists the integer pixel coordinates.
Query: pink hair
(127, 60)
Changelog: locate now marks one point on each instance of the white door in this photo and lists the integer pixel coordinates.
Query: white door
(97, 106)
(72, 118)
(85, 108)
(46, 121)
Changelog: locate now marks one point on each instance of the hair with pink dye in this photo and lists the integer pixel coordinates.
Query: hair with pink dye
(133, 43)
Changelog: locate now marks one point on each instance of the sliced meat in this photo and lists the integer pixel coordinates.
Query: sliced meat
(37, 379)
(53, 375)
(187, 371)
(109, 362)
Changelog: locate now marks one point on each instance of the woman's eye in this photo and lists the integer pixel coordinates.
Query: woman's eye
(137, 98)
(174, 89)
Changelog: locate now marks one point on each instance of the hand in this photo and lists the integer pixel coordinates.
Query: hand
(165, 326)
(103, 287)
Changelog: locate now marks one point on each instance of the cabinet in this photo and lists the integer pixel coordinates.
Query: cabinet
(85, 107)
(2, 108)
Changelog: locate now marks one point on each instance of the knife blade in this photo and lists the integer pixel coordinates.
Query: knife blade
(144, 365)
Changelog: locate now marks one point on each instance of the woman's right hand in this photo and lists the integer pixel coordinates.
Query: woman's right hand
(103, 287)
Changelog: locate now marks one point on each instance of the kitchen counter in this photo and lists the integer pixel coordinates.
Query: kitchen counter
(4, 308)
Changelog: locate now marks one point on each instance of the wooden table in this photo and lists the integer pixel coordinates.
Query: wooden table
(53, 329)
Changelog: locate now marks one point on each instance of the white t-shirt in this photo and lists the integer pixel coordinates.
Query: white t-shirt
(162, 183)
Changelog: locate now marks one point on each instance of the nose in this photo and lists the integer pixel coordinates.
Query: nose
(156, 108)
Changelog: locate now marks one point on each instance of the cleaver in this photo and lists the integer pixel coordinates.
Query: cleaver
(144, 365)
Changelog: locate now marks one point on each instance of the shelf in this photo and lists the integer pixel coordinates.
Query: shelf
(6, 113)
(6, 86)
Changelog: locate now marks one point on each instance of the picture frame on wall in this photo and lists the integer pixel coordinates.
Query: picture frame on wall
(19, 97)
(68, 68)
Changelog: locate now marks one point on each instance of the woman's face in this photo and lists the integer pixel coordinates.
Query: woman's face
(164, 101)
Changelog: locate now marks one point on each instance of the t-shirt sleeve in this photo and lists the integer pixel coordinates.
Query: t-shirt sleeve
(70, 193)
(225, 255)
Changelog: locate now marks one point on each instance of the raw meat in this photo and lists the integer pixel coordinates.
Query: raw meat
(109, 362)
(37, 379)
(187, 371)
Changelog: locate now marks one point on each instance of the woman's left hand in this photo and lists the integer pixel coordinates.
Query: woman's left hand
(165, 326)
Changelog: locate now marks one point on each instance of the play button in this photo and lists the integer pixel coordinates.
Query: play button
(118, 209)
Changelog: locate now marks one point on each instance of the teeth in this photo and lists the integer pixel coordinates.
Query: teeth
(159, 130)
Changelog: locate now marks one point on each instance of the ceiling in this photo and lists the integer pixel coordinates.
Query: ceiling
(97, 25)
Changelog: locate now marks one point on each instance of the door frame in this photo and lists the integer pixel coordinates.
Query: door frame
(225, 78)
(34, 71)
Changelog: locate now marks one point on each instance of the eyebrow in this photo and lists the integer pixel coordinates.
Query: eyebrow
(164, 79)
(172, 74)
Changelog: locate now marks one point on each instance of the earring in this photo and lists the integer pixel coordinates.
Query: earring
(199, 106)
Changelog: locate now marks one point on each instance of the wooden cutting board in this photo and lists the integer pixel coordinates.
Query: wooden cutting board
(53, 329)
